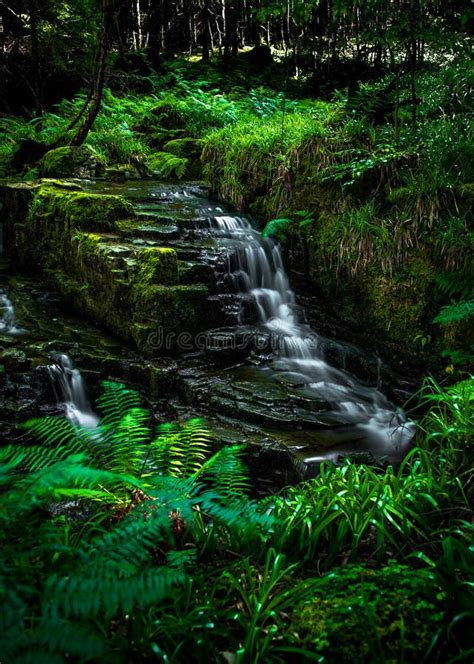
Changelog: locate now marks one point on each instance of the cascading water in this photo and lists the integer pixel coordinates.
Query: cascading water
(359, 413)
(8, 324)
(70, 390)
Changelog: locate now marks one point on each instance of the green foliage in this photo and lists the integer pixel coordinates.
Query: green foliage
(453, 313)
(264, 599)
(120, 545)
(278, 228)
(166, 165)
(358, 508)
(360, 614)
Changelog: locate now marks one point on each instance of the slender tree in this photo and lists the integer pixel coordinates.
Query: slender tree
(91, 110)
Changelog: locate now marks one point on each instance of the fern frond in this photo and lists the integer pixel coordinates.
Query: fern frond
(61, 435)
(196, 439)
(110, 591)
(125, 442)
(182, 451)
(228, 472)
(68, 480)
(116, 401)
(129, 543)
(454, 313)
(459, 283)
(69, 639)
(241, 514)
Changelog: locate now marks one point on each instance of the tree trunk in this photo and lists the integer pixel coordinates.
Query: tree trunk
(36, 57)
(99, 79)
(205, 30)
(413, 58)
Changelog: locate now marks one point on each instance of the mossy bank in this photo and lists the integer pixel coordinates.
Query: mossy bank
(87, 245)
(369, 229)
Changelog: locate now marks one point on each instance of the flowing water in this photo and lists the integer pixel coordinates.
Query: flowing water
(8, 324)
(292, 389)
(361, 413)
(71, 393)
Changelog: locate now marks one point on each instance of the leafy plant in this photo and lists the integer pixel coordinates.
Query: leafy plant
(279, 228)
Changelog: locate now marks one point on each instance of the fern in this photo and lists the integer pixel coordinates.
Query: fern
(126, 442)
(116, 401)
(277, 228)
(110, 591)
(166, 165)
(457, 283)
(230, 476)
(99, 526)
(181, 451)
(456, 312)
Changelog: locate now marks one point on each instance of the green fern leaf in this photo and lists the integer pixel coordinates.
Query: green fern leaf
(454, 313)
(117, 401)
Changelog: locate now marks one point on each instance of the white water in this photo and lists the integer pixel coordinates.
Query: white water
(8, 316)
(256, 266)
(71, 393)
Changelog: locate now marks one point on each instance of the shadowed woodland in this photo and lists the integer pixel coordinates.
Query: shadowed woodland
(236, 341)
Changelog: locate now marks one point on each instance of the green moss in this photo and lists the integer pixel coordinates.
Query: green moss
(79, 209)
(157, 266)
(361, 615)
(71, 161)
(180, 302)
(122, 172)
(132, 292)
(399, 304)
(185, 147)
(168, 318)
(190, 149)
(70, 186)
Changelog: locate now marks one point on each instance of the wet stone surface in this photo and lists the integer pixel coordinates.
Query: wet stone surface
(233, 374)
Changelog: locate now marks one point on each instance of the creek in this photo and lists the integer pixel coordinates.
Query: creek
(263, 376)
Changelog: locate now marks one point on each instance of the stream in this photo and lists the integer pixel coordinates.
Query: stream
(264, 376)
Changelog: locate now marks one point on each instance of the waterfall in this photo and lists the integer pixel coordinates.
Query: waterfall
(8, 316)
(70, 390)
(359, 412)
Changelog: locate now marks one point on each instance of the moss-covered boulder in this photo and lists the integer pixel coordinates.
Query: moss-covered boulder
(79, 209)
(71, 161)
(14, 359)
(122, 172)
(91, 248)
(190, 149)
(361, 615)
(157, 265)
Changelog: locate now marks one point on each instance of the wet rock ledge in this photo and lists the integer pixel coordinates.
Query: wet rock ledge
(104, 255)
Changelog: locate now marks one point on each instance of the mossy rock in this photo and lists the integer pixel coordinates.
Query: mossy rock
(168, 318)
(399, 305)
(71, 161)
(61, 184)
(358, 613)
(15, 360)
(81, 210)
(122, 172)
(190, 149)
(157, 266)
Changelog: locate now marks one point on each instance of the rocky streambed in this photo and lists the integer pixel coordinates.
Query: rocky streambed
(155, 285)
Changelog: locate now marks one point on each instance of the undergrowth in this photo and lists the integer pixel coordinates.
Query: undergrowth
(120, 543)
